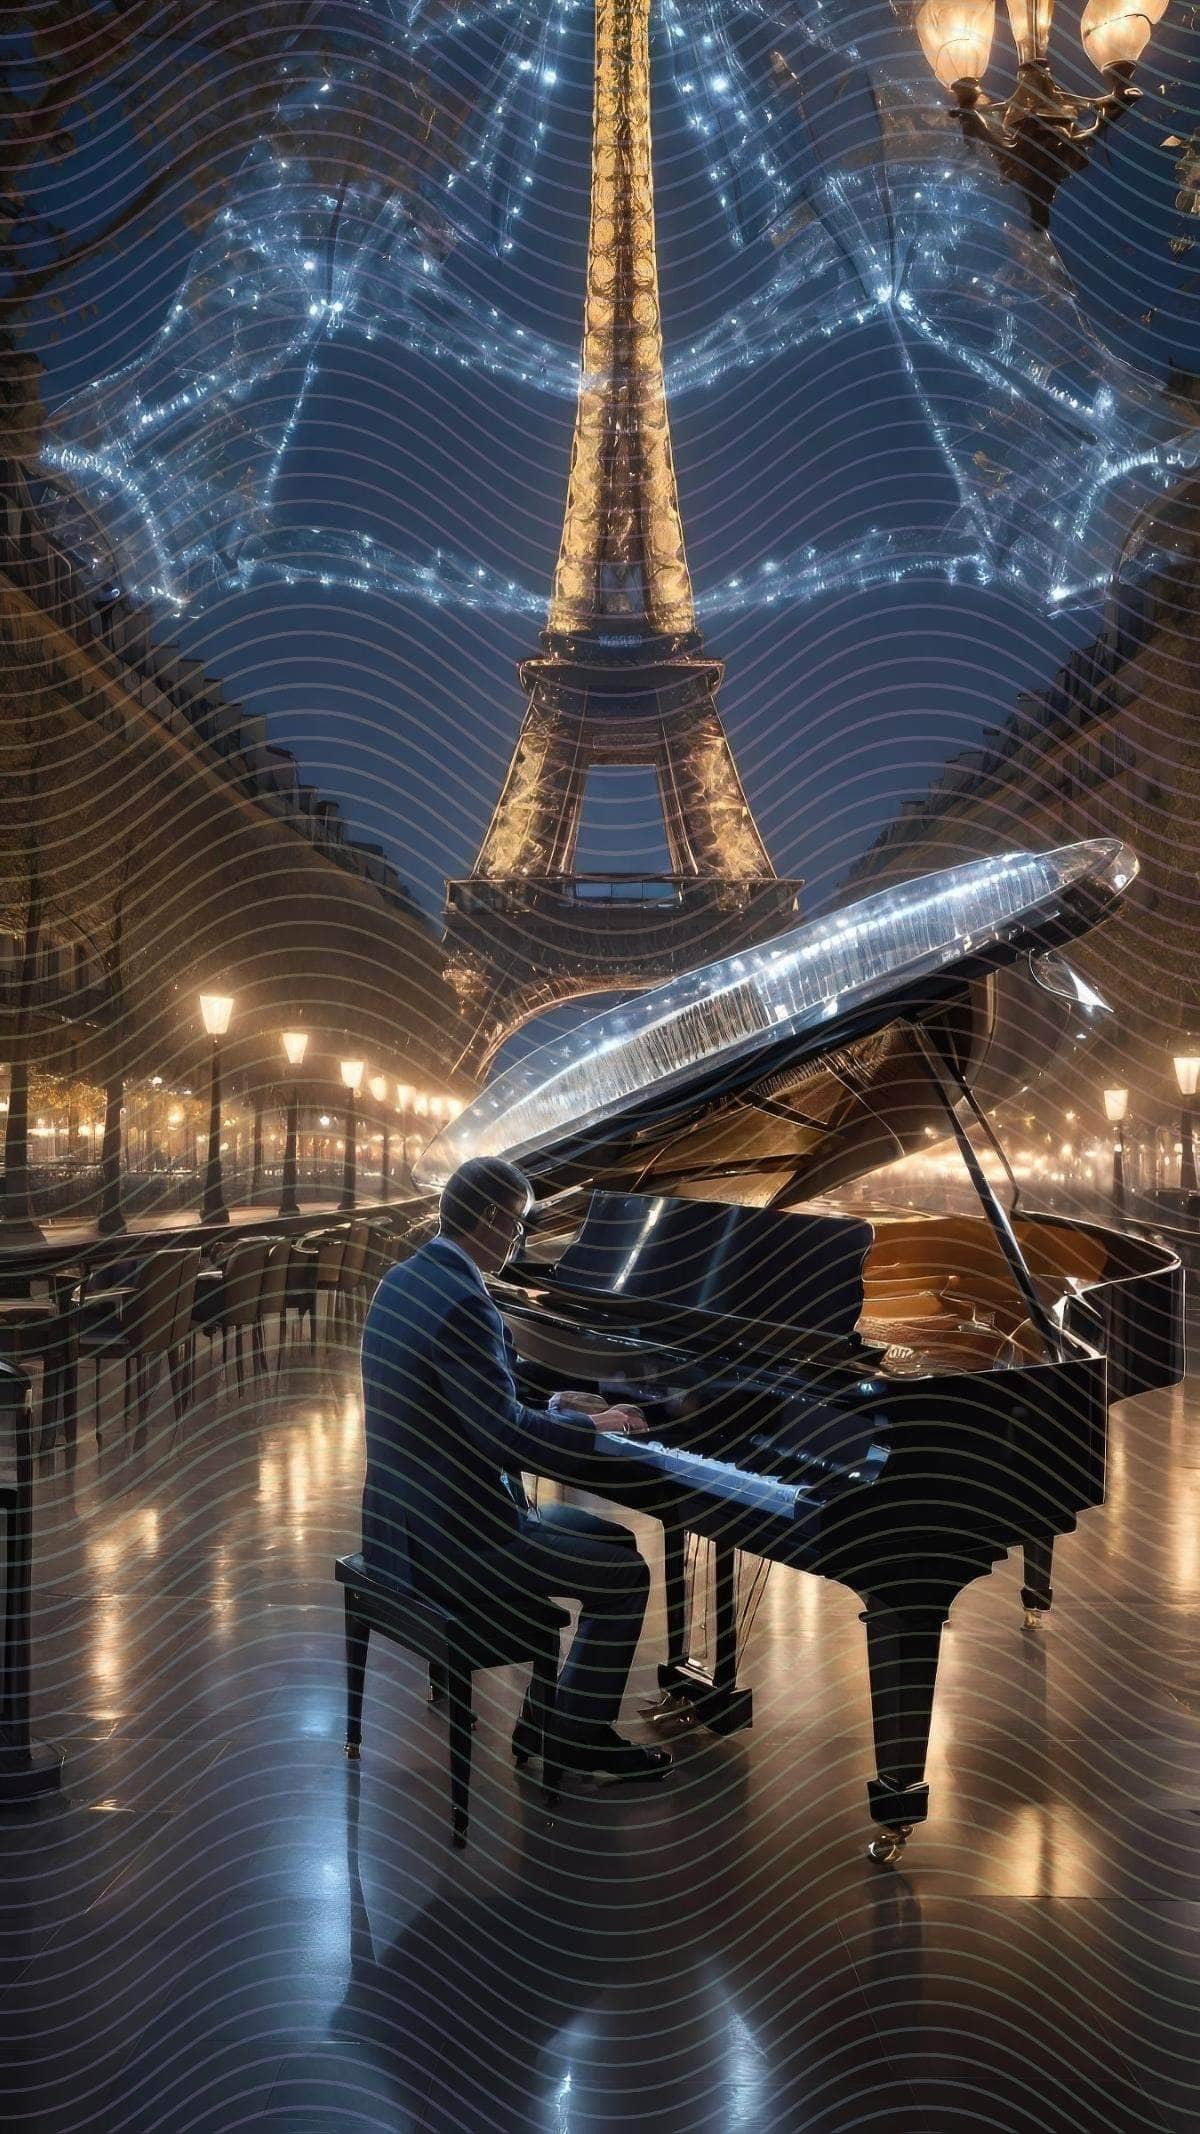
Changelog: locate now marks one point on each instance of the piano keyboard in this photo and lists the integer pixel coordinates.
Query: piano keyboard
(711, 1478)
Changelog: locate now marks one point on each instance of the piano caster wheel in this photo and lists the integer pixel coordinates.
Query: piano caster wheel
(1033, 1619)
(886, 1849)
(353, 1752)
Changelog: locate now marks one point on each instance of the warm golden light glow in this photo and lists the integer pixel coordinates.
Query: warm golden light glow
(1116, 1104)
(1031, 21)
(404, 1096)
(1187, 1070)
(1115, 33)
(216, 1011)
(956, 38)
(295, 1045)
(352, 1073)
(379, 1087)
(622, 557)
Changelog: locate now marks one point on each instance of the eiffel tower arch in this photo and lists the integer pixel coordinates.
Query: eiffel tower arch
(622, 677)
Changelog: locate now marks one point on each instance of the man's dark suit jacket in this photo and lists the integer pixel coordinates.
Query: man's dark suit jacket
(444, 1422)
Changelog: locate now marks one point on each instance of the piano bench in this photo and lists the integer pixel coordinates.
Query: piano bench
(457, 1645)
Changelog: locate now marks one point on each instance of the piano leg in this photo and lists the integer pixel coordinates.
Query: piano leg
(1037, 1593)
(902, 1654)
(688, 1690)
(675, 1582)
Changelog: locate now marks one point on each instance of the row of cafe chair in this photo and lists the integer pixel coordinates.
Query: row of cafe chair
(169, 1297)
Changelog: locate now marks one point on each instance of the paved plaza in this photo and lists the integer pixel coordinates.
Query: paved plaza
(221, 1924)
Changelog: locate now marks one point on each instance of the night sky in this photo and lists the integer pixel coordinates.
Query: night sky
(407, 714)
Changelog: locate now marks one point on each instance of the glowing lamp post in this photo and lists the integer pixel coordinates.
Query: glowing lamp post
(379, 1086)
(111, 1222)
(295, 1045)
(1116, 1104)
(216, 1013)
(404, 1099)
(421, 1118)
(1187, 1074)
(1038, 132)
(352, 1074)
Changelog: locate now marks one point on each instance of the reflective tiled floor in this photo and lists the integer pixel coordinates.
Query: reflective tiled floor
(220, 1924)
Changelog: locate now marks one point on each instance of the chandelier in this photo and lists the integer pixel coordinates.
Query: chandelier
(1039, 132)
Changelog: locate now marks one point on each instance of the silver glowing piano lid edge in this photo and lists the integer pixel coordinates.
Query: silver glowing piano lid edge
(815, 975)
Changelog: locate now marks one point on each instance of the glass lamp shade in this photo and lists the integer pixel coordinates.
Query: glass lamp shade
(379, 1087)
(1187, 1069)
(1031, 21)
(352, 1073)
(216, 1010)
(1116, 1104)
(1115, 33)
(956, 37)
(295, 1045)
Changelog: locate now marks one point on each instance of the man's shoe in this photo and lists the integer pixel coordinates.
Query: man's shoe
(605, 1754)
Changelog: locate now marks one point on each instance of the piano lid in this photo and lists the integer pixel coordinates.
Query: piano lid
(754, 1033)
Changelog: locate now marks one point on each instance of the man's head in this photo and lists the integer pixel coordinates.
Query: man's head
(483, 1207)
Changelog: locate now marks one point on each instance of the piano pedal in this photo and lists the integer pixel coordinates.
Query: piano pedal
(673, 1705)
(1033, 1619)
(885, 1849)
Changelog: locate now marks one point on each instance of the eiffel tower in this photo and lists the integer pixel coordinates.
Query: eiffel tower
(622, 677)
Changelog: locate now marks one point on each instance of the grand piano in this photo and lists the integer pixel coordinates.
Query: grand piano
(890, 1400)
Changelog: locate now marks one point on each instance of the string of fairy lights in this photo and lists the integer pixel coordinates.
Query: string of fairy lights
(859, 208)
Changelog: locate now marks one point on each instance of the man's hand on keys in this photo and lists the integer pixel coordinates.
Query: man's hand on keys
(627, 1422)
(623, 1419)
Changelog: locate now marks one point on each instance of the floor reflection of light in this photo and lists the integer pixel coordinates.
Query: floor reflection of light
(136, 1532)
(299, 1476)
(221, 1597)
(316, 1719)
(1186, 1518)
(317, 1445)
(747, 2074)
(1045, 1850)
(106, 1642)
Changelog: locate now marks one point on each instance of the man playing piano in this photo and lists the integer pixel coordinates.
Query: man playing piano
(445, 1433)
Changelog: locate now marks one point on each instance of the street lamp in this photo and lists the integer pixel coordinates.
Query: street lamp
(111, 1220)
(1039, 132)
(404, 1099)
(1116, 1104)
(1187, 1074)
(379, 1090)
(352, 1074)
(216, 1011)
(295, 1045)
